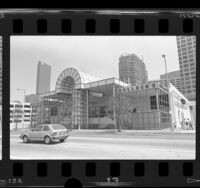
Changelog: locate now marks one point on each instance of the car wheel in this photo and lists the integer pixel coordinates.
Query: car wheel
(25, 139)
(47, 140)
(62, 140)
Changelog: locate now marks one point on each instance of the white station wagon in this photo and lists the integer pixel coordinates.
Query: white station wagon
(45, 132)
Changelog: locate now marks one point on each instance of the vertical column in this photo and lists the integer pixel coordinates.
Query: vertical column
(114, 111)
(87, 110)
(158, 110)
(78, 109)
(173, 109)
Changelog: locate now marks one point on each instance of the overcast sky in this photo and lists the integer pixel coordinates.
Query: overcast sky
(95, 55)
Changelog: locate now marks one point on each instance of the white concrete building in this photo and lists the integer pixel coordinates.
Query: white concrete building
(179, 106)
(20, 115)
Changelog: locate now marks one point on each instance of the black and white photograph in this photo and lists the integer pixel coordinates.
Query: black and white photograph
(102, 97)
(0, 97)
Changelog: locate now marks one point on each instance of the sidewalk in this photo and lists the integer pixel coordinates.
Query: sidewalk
(123, 132)
(107, 131)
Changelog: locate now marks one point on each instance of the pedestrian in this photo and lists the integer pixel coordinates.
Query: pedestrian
(190, 124)
(182, 124)
(187, 124)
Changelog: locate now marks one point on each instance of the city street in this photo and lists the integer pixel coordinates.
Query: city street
(102, 146)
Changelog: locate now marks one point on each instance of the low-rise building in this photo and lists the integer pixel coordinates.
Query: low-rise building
(81, 101)
(20, 115)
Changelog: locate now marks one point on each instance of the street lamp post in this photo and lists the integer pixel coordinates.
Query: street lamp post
(164, 57)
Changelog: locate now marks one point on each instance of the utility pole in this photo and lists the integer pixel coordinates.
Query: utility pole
(169, 97)
(166, 73)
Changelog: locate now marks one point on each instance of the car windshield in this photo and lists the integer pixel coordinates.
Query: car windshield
(57, 126)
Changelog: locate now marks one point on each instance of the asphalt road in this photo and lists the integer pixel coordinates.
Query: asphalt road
(104, 147)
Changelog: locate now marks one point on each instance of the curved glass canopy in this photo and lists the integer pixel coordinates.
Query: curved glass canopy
(72, 78)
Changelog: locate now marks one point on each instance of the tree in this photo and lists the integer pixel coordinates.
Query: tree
(121, 106)
(65, 110)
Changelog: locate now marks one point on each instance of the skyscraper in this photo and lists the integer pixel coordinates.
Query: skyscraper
(132, 69)
(187, 62)
(173, 77)
(43, 77)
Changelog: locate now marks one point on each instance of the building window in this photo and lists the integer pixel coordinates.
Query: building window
(18, 106)
(153, 102)
(17, 121)
(26, 120)
(190, 51)
(54, 111)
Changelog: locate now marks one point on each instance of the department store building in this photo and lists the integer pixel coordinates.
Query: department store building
(82, 101)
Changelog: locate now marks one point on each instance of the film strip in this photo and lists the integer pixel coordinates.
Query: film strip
(91, 169)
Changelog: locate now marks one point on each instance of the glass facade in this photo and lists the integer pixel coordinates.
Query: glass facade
(152, 109)
(87, 103)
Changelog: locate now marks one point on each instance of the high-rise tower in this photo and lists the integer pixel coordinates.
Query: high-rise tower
(187, 61)
(132, 69)
(43, 77)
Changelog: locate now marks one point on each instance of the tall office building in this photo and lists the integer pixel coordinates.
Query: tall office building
(43, 78)
(173, 77)
(132, 69)
(187, 61)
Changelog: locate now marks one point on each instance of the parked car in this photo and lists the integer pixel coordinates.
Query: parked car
(45, 132)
